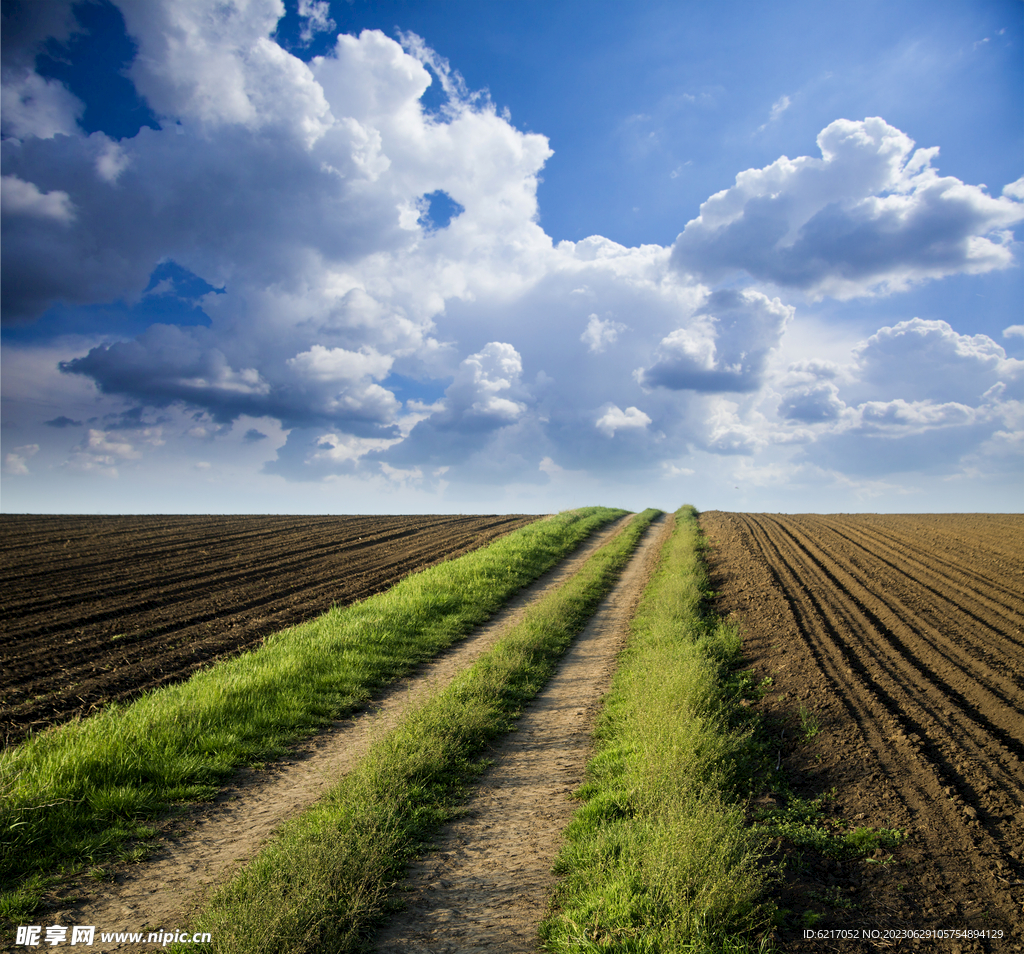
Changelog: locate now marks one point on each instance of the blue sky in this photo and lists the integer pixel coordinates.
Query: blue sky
(512, 256)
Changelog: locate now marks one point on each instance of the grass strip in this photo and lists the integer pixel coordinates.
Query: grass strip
(327, 879)
(658, 858)
(76, 795)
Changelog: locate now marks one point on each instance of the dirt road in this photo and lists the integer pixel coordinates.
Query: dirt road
(486, 887)
(902, 638)
(204, 847)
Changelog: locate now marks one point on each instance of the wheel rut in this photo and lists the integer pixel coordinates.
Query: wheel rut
(485, 888)
(203, 847)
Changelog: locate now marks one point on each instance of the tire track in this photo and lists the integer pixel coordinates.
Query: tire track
(205, 846)
(485, 887)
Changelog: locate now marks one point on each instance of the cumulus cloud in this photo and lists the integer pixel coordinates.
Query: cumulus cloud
(600, 333)
(32, 106)
(615, 419)
(871, 215)
(480, 401)
(916, 395)
(16, 461)
(20, 198)
(812, 405)
(316, 18)
(100, 453)
(369, 282)
(724, 349)
(928, 360)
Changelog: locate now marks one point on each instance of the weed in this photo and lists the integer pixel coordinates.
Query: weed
(327, 879)
(809, 724)
(835, 898)
(807, 824)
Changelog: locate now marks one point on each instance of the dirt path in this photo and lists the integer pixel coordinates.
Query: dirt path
(486, 887)
(205, 846)
(901, 636)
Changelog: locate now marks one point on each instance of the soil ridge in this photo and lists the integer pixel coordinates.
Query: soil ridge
(918, 698)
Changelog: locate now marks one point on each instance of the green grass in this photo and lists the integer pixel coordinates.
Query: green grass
(658, 858)
(809, 724)
(78, 795)
(329, 877)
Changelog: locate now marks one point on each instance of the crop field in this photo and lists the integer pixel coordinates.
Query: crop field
(736, 731)
(895, 643)
(97, 609)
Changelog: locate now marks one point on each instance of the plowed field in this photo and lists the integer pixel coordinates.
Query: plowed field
(94, 609)
(902, 638)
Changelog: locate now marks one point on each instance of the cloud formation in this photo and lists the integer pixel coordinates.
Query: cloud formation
(871, 215)
(724, 348)
(916, 395)
(368, 280)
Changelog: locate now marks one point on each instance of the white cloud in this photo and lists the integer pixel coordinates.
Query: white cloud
(216, 64)
(24, 198)
(600, 333)
(928, 360)
(370, 345)
(1014, 331)
(1015, 189)
(316, 14)
(812, 404)
(31, 106)
(914, 396)
(615, 419)
(779, 107)
(870, 216)
(111, 161)
(15, 462)
(100, 453)
(724, 348)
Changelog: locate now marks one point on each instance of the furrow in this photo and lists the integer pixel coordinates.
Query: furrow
(919, 569)
(845, 642)
(912, 690)
(912, 643)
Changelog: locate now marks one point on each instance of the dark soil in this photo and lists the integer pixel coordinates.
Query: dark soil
(902, 640)
(96, 609)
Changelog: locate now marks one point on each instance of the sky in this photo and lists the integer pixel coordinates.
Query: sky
(513, 256)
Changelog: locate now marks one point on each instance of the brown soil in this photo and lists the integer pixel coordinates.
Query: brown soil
(204, 847)
(903, 638)
(485, 888)
(95, 609)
